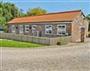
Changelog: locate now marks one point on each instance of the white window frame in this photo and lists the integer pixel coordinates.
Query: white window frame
(13, 29)
(48, 29)
(21, 29)
(34, 28)
(61, 29)
(27, 28)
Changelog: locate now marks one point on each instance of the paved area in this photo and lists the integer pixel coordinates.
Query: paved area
(73, 57)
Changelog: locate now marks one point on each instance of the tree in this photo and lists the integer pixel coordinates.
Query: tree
(8, 11)
(2, 21)
(36, 11)
(88, 18)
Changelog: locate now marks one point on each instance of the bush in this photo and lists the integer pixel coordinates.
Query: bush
(89, 34)
(58, 43)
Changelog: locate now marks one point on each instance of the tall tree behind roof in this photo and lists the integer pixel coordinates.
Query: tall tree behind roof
(36, 11)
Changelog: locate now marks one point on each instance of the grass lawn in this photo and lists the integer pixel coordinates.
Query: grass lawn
(17, 44)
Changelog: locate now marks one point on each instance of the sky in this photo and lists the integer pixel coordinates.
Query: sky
(53, 5)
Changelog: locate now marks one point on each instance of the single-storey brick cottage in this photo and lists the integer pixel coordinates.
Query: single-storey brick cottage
(69, 23)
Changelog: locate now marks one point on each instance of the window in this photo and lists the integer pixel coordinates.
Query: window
(48, 29)
(30, 27)
(27, 28)
(20, 28)
(13, 29)
(34, 28)
(61, 29)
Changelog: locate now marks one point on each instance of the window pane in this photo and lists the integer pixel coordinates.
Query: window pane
(20, 28)
(34, 28)
(26, 28)
(13, 29)
(48, 29)
(61, 29)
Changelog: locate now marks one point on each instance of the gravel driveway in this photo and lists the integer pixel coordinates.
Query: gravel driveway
(61, 58)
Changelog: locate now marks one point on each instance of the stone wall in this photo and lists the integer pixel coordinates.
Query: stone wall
(40, 40)
(41, 28)
(78, 23)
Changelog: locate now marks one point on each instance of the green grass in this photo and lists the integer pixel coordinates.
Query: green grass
(18, 44)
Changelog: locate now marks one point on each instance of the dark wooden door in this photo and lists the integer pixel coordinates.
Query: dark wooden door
(82, 34)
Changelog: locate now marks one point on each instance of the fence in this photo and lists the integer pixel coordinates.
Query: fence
(34, 39)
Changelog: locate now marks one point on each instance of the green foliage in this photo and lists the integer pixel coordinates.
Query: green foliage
(8, 11)
(88, 18)
(2, 21)
(36, 11)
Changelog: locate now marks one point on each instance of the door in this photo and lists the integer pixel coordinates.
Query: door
(82, 34)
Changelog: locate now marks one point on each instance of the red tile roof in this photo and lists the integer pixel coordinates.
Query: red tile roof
(60, 16)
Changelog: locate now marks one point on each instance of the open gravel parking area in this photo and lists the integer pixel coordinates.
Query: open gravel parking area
(75, 57)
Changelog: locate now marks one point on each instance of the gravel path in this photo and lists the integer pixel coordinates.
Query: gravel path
(62, 58)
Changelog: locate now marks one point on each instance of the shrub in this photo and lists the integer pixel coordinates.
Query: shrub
(89, 34)
(58, 43)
